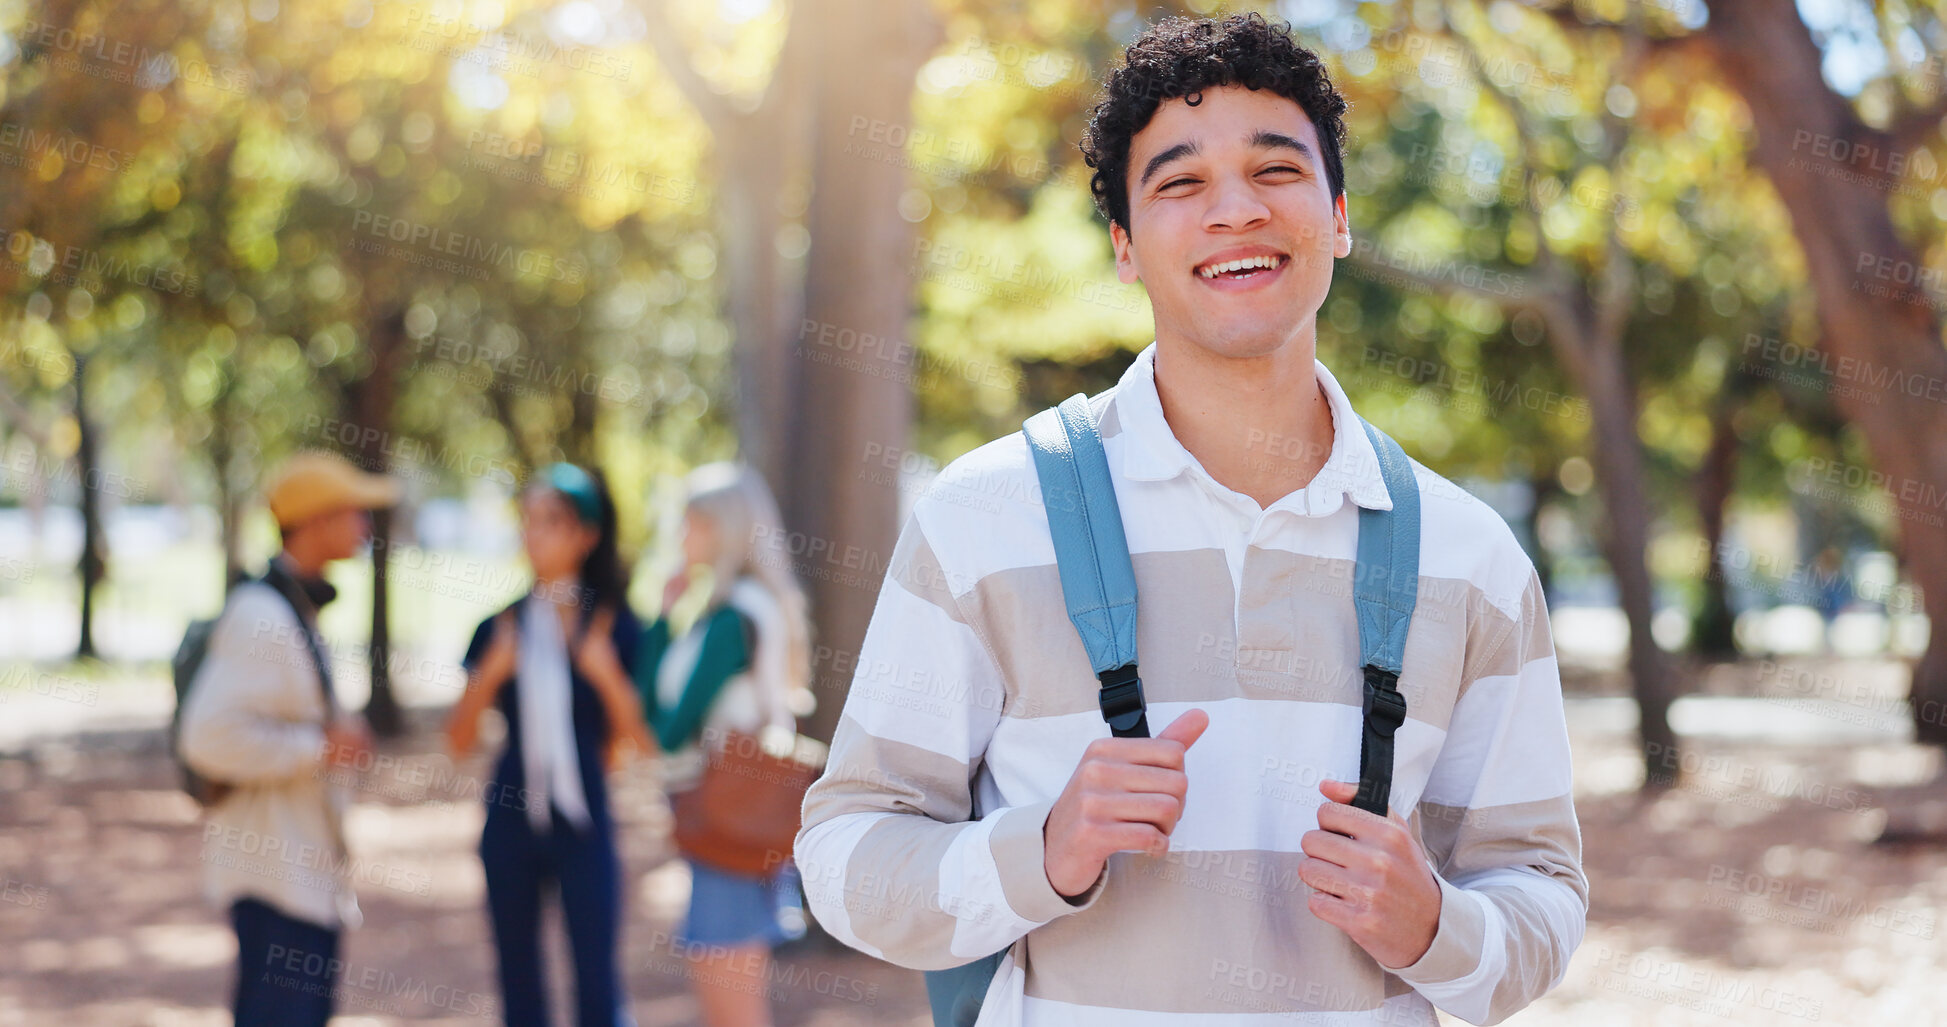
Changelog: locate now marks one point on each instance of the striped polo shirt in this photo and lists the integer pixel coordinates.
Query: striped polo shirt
(973, 700)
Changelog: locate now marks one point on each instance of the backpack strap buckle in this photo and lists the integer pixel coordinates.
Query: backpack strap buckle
(1122, 702)
(1385, 711)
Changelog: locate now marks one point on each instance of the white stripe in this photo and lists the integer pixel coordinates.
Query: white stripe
(1264, 802)
(1399, 1011)
(899, 692)
(1507, 741)
(1469, 997)
(1461, 538)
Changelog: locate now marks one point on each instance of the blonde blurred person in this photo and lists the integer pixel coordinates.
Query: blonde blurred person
(743, 666)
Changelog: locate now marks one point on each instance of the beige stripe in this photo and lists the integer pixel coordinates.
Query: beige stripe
(1300, 637)
(1542, 834)
(1504, 646)
(1203, 932)
(1019, 857)
(1183, 632)
(917, 569)
(892, 892)
(869, 774)
(1539, 640)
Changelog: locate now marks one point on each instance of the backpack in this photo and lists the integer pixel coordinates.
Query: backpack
(1098, 585)
(195, 648)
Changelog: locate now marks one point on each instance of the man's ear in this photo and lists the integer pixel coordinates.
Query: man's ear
(1125, 259)
(1341, 228)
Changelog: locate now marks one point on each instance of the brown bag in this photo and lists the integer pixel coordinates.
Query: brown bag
(744, 815)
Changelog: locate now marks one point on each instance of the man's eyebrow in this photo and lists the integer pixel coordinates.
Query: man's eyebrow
(1262, 139)
(1176, 152)
(1265, 140)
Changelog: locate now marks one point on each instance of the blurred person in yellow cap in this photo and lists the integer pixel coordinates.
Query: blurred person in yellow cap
(261, 724)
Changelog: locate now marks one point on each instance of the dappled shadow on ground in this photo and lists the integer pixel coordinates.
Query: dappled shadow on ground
(1751, 894)
(105, 922)
(1753, 891)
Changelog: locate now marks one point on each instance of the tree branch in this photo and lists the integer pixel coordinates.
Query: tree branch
(1525, 135)
(1541, 294)
(716, 113)
(20, 418)
(1916, 126)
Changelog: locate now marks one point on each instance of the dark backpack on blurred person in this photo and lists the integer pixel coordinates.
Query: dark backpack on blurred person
(195, 648)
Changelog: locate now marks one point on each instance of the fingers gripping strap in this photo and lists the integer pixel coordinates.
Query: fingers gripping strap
(1386, 587)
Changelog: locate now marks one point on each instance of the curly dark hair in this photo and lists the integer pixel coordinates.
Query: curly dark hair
(1182, 57)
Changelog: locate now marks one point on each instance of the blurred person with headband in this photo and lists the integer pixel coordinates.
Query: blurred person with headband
(557, 664)
(262, 726)
(742, 666)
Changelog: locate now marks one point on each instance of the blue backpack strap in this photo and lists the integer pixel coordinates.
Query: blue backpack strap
(1097, 582)
(1386, 587)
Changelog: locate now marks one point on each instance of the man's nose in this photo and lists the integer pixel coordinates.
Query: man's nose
(1234, 204)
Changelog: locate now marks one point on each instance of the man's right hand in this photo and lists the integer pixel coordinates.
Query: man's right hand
(1126, 795)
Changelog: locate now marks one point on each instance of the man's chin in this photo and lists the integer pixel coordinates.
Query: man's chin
(1242, 338)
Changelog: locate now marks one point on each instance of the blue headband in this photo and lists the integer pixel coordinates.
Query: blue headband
(575, 483)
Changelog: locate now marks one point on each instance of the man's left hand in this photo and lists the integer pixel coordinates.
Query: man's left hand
(1371, 879)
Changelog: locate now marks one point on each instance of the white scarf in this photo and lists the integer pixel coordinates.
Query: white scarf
(546, 698)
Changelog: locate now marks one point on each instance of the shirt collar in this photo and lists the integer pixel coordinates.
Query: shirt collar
(1152, 453)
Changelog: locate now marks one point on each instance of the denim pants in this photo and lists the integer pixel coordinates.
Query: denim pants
(520, 866)
(286, 967)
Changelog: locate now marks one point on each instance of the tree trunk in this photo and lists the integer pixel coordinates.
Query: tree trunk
(86, 460)
(1880, 335)
(1712, 635)
(856, 281)
(370, 400)
(753, 287)
(229, 503)
(759, 151)
(1546, 487)
(1617, 454)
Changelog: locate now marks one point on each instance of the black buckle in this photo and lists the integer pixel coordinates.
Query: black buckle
(1385, 707)
(1122, 701)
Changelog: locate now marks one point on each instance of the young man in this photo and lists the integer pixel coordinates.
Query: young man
(260, 722)
(1215, 873)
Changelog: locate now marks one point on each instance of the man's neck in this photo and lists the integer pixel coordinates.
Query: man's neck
(1261, 426)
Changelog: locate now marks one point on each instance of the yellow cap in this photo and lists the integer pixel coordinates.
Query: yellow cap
(316, 482)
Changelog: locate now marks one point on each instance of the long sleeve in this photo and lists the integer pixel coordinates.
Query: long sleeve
(719, 655)
(241, 723)
(892, 865)
(1498, 820)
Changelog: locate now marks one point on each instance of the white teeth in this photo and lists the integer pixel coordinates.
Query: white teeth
(1213, 270)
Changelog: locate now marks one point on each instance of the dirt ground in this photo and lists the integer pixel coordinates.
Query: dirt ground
(1753, 893)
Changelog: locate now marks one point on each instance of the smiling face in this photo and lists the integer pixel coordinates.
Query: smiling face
(1232, 223)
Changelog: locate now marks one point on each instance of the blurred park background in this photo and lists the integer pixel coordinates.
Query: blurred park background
(1662, 282)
